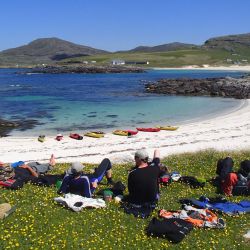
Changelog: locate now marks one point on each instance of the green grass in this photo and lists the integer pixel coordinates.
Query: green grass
(40, 223)
(177, 58)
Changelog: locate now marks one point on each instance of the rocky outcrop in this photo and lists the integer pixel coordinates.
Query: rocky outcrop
(226, 87)
(7, 126)
(86, 69)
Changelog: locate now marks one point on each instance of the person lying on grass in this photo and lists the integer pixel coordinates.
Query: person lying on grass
(76, 182)
(15, 175)
(36, 168)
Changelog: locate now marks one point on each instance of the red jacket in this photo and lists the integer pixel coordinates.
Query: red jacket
(228, 184)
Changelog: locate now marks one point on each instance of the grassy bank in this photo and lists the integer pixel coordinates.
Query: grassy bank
(178, 58)
(39, 223)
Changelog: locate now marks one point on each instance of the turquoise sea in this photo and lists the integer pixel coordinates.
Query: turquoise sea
(82, 102)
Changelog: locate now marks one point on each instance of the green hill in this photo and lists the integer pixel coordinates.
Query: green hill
(45, 50)
(164, 47)
(225, 50)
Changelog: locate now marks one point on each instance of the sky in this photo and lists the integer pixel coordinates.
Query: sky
(121, 24)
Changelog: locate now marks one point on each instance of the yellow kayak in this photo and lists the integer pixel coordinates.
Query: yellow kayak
(171, 128)
(94, 135)
(120, 132)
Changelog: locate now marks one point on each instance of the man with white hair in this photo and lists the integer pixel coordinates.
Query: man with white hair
(143, 179)
(76, 182)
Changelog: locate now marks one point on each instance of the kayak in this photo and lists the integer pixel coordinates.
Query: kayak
(171, 128)
(98, 132)
(76, 136)
(131, 132)
(125, 132)
(41, 138)
(120, 132)
(149, 129)
(94, 135)
(59, 137)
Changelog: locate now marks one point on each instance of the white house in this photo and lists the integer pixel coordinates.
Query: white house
(118, 62)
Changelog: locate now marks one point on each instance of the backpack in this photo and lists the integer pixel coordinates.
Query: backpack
(224, 167)
(242, 187)
(165, 179)
(173, 229)
(6, 172)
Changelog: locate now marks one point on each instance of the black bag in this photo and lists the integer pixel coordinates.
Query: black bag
(173, 229)
(140, 211)
(118, 188)
(192, 181)
(224, 167)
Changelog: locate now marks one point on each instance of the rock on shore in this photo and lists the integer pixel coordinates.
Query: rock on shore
(86, 69)
(7, 126)
(226, 87)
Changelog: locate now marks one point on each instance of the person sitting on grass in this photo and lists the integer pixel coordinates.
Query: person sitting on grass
(233, 183)
(76, 182)
(143, 184)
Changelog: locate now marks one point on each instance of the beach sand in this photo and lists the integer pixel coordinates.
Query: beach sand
(245, 68)
(226, 132)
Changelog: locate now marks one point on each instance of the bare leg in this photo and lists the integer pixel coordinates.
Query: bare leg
(156, 153)
(52, 160)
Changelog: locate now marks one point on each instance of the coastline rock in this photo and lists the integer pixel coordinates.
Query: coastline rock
(238, 88)
(7, 126)
(85, 69)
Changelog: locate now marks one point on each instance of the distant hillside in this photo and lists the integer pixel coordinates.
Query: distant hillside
(45, 50)
(164, 47)
(225, 50)
(233, 43)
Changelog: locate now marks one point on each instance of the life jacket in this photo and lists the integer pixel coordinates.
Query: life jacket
(198, 217)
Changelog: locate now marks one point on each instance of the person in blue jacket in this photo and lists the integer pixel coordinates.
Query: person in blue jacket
(76, 182)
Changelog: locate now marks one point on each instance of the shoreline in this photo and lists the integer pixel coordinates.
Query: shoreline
(228, 131)
(208, 67)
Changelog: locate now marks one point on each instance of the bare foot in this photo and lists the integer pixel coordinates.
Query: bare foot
(52, 160)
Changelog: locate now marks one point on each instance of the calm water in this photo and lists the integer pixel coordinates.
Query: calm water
(80, 102)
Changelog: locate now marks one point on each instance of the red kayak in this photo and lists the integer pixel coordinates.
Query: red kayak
(149, 129)
(76, 136)
(59, 137)
(131, 132)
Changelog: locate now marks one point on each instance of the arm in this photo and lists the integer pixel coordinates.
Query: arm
(33, 173)
(65, 185)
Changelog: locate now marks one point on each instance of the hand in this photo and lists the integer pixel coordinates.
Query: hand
(94, 184)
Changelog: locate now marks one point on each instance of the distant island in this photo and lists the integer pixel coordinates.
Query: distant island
(219, 51)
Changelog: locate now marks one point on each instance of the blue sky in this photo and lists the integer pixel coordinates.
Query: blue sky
(120, 25)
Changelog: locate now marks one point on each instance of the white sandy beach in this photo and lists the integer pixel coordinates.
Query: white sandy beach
(227, 132)
(245, 68)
